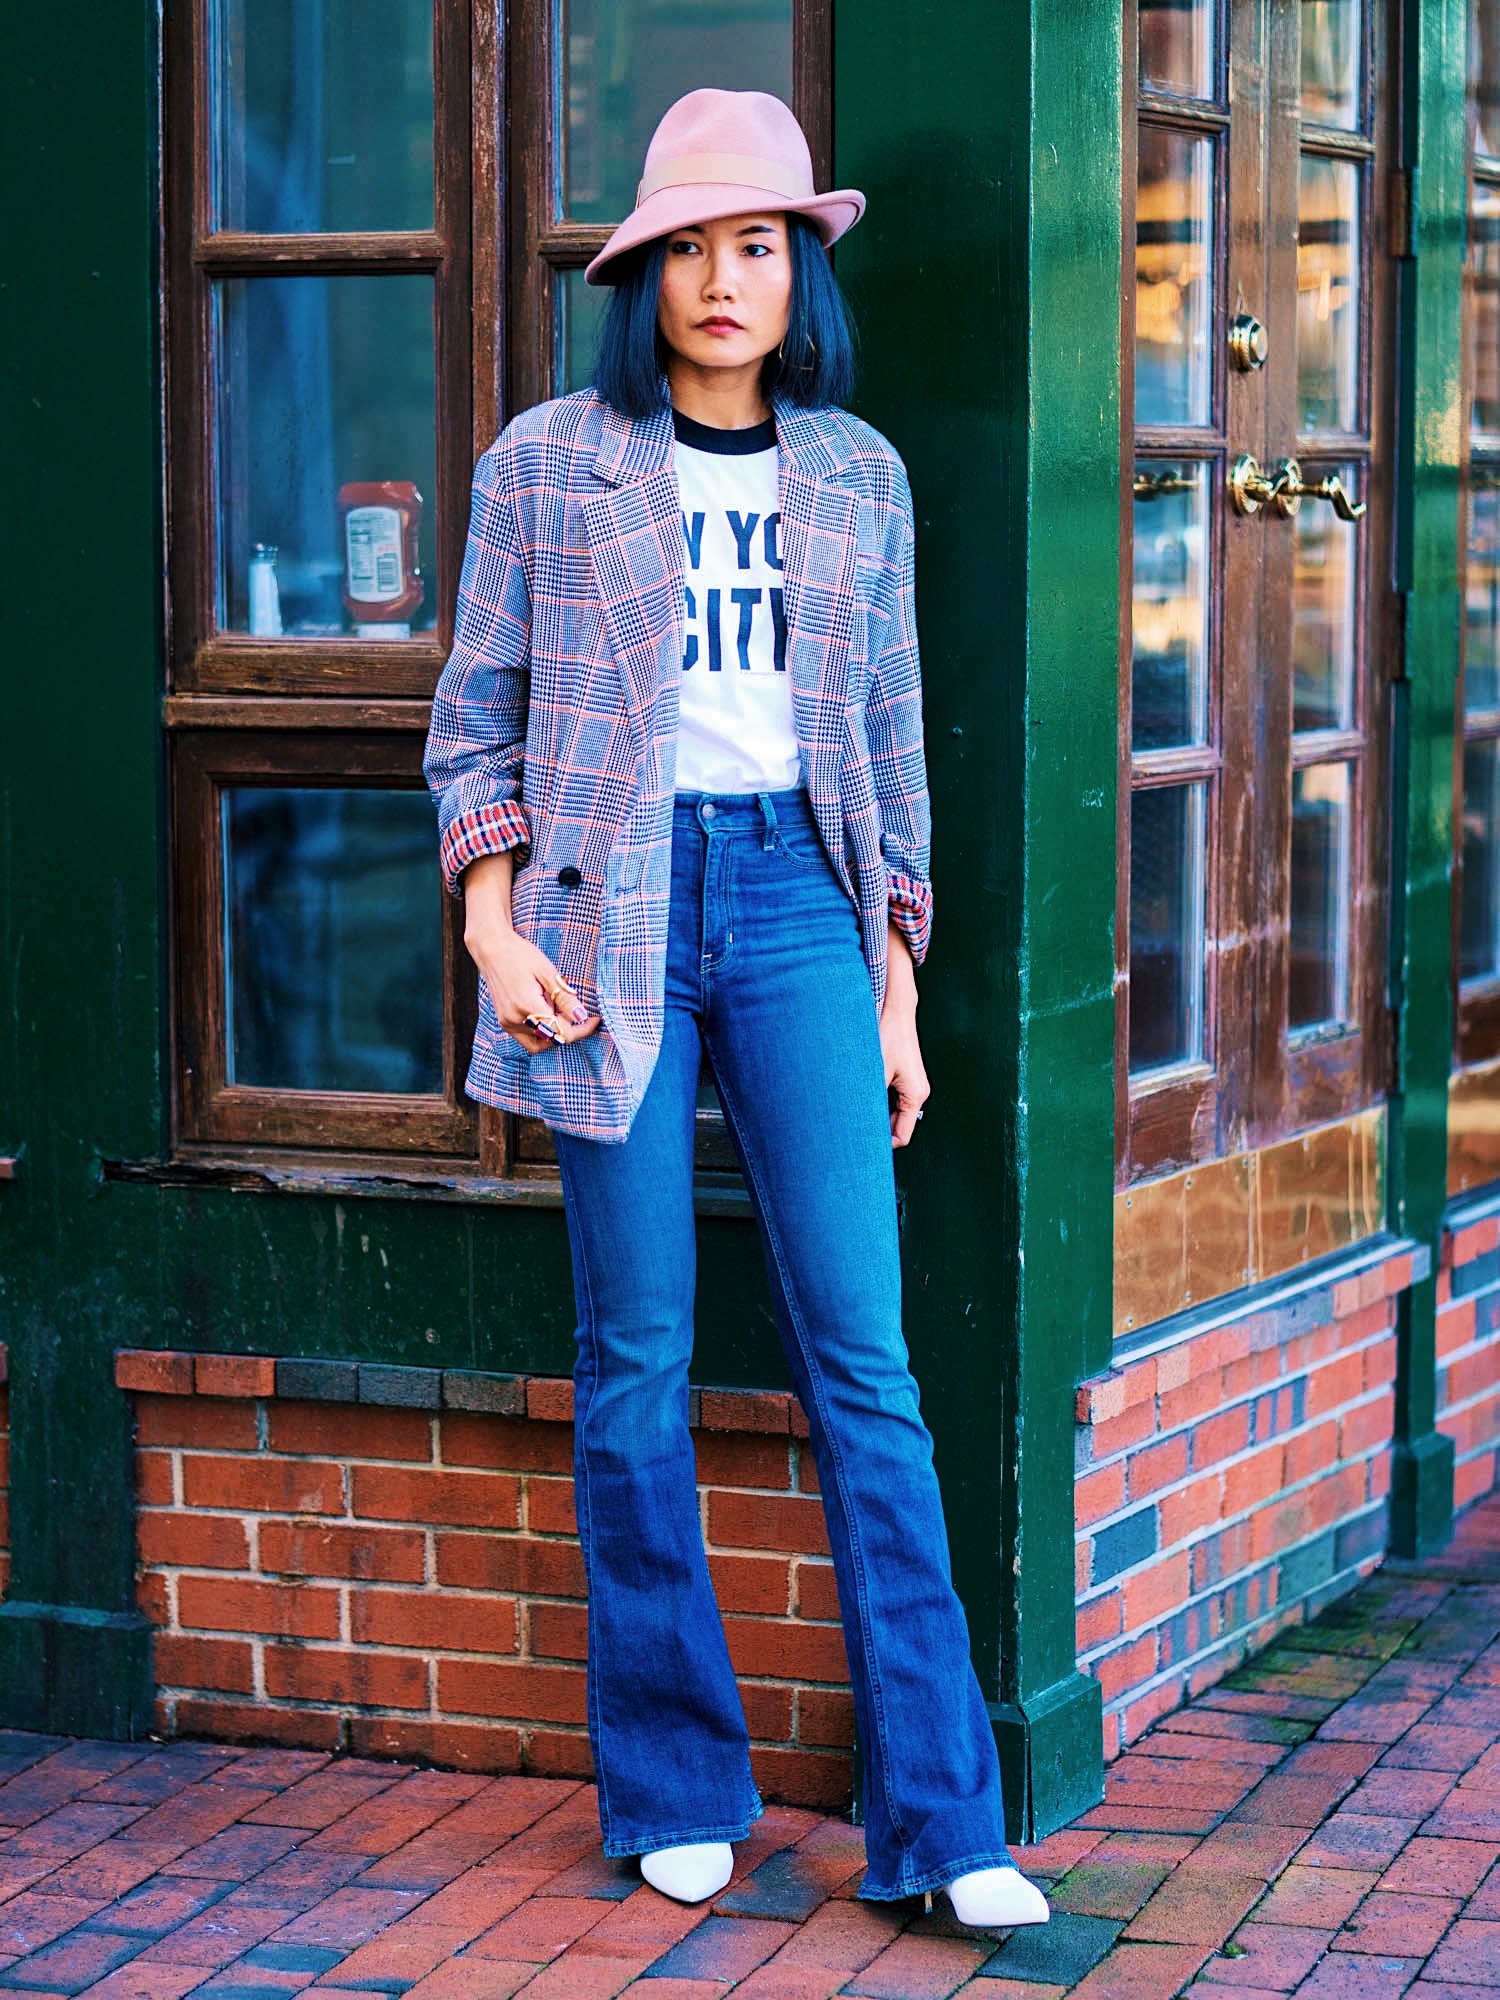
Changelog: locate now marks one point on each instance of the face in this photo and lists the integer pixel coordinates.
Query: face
(726, 290)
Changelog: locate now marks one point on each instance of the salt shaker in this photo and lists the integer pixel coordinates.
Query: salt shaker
(265, 592)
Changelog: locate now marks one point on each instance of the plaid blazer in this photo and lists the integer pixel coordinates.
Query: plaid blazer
(554, 723)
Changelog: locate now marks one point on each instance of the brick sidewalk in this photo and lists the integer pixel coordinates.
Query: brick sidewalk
(1325, 1823)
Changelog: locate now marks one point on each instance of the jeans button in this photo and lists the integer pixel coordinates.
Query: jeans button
(708, 809)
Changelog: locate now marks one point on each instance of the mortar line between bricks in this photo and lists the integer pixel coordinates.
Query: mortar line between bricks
(1256, 1638)
(1281, 1379)
(1223, 1465)
(1179, 1549)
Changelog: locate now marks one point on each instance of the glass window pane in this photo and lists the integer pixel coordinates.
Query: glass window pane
(333, 940)
(1479, 921)
(325, 390)
(580, 311)
(1482, 592)
(1169, 606)
(1482, 303)
(1319, 971)
(1177, 46)
(324, 114)
(624, 61)
(1326, 570)
(1484, 75)
(1331, 38)
(1173, 299)
(1166, 925)
(1328, 295)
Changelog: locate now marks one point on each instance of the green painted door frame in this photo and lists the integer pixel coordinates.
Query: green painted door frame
(1430, 446)
(986, 278)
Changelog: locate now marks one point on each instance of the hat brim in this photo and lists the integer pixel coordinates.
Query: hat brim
(681, 207)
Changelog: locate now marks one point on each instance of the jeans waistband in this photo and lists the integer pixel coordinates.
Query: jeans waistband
(745, 812)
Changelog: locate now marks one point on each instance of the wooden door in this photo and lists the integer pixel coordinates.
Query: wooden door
(1257, 609)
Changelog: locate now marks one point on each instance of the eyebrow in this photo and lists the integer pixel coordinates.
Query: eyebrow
(750, 229)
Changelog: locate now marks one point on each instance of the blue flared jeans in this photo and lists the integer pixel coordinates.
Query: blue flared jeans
(765, 977)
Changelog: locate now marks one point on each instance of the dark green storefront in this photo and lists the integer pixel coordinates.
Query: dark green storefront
(987, 282)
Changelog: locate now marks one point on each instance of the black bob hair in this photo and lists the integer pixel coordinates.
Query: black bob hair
(813, 369)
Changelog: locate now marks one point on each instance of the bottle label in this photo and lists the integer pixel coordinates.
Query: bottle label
(372, 543)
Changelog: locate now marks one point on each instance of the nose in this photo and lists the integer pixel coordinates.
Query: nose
(718, 278)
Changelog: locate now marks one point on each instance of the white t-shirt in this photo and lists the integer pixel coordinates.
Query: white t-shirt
(735, 731)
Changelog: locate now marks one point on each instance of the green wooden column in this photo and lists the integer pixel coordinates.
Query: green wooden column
(80, 1053)
(986, 281)
(1423, 722)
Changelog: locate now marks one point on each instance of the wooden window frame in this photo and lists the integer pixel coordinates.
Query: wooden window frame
(203, 659)
(214, 1111)
(544, 243)
(341, 710)
(1255, 1082)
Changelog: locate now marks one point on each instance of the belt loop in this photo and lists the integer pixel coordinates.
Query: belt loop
(768, 813)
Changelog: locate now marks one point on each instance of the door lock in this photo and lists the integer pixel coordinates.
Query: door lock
(1249, 343)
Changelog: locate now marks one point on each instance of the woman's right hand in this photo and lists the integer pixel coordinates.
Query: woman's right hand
(521, 979)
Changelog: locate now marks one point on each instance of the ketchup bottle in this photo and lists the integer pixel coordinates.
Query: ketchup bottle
(378, 521)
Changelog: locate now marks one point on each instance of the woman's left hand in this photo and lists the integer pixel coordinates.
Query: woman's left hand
(904, 1070)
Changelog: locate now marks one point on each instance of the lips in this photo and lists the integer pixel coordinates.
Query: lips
(720, 326)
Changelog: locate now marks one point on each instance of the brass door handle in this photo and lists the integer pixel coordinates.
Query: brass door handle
(1250, 489)
(1290, 490)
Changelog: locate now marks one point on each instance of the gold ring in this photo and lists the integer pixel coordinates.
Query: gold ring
(543, 1025)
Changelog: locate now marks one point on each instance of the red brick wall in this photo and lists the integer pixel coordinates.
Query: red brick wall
(1468, 1354)
(408, 1581)
(4, 1473)
(1231, 1483)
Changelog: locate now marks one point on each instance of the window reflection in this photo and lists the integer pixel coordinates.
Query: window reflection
(1331, 38)
(1169, 606)
(1479, 919)
(580, 313)
(1484, 75)
(1177, 47)
(1318, 986)
(1166, 925)
(624, 61)
(324, 383)
(1323, 610)
(1173, 300)
(333, 940)
(324, 114)
(1483, 302)
(1328, 295)
(1482, 591)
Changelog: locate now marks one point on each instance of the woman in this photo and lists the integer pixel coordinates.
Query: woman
(677, 753)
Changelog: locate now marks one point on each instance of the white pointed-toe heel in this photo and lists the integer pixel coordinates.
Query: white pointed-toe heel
(996, 1897)
(692, 1873)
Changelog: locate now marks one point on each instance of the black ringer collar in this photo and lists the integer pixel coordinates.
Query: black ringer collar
(731, 444)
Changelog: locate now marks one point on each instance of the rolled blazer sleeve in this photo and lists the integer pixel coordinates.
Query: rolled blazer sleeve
(476, 742)
(893, 731)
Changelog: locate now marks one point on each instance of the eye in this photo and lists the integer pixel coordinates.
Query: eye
(684, 247)
(757, 249)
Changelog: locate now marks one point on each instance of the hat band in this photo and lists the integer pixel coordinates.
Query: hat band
(733, 169)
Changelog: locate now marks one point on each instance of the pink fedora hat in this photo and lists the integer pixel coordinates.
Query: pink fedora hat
(725, 152)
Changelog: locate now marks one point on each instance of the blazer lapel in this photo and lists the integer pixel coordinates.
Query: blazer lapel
(635, 544)
(819, 522)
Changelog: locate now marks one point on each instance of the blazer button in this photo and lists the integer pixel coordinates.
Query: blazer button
(569, 877)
